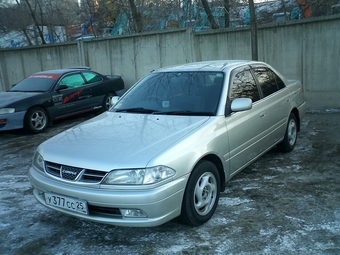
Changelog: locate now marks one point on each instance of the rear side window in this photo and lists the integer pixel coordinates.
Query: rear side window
(268, 80)
(244, 86)
(91, 77)
(73, 80)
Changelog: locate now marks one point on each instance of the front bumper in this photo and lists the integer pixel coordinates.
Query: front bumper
(160, 204)
(12, 121)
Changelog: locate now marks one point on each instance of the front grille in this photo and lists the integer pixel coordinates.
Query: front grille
(71, 173)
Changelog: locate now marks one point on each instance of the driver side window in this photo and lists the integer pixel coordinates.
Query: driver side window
(244, 86)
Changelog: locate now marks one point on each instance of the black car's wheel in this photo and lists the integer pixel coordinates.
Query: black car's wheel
(107, 101)
(36, 120)
(290, 138)
(201, 194)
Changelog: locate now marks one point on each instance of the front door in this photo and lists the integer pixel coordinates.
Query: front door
(245, 129)
(74, 97)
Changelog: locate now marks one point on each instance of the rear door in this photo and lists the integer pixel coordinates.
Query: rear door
(247, 129)
(96, 88)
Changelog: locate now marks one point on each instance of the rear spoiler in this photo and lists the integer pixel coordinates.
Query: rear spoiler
(80, 67)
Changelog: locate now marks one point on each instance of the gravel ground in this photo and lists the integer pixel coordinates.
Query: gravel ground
(281, 204)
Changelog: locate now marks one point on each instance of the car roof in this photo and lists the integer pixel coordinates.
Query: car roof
(65, 70)
(214, 65)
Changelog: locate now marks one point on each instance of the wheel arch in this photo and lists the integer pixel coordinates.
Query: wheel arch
(45, 109)
(218, 163)
(295, 111)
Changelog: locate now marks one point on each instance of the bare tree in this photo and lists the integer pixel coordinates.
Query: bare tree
(41, 35)
(226, 13)
(323, 7)
(209, 14)
(137, 17)
(254, 48)
(284, 9)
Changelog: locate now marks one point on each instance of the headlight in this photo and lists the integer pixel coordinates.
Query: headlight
(7, 110)
(38, 161)
(139, 176)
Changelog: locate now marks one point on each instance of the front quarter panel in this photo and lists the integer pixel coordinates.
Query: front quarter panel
(209, 139)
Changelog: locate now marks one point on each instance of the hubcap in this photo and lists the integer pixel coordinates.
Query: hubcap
(205, 193)
(38, 120)
(108, 102)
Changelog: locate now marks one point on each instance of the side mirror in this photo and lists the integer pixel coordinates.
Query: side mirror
(114, 100)
(61, 87)
(241, 104)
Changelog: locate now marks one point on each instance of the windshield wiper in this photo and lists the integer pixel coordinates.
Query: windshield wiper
(16, 90)
(186, 112)
(136, 109)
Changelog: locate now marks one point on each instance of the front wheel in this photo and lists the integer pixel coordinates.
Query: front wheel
(201, 195)
(289, 141)
(36, 120)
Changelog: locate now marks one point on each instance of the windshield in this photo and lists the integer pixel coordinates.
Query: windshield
(36, 83)
(178, 93)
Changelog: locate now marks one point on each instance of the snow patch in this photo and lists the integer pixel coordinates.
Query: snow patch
(233, 201)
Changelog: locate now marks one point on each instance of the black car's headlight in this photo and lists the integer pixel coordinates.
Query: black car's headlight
(139, 176)
(7, 110)
(38, 161)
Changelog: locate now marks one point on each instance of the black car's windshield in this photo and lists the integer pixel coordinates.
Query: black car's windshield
(35, 83)
(174, 93)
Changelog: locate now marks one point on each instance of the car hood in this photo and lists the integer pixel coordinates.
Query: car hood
(7, 98)
(118, 140)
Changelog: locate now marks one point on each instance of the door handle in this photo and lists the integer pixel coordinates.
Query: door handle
(263, 114)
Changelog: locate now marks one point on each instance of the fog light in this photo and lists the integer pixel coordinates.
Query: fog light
(133, 213)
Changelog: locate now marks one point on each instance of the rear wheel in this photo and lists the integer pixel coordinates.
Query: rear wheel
(201, 195)
(107, 101)
(289, 141)
(36, 120)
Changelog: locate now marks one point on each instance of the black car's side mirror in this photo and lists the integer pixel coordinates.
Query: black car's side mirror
(61, 87)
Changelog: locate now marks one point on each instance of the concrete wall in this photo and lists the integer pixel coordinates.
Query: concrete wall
(308, 50)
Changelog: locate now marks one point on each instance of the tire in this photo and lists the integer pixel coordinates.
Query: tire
(36, 120)
(201, 195)
(107, 101)
(289, 141)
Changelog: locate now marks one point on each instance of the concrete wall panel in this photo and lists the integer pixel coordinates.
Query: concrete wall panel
(322, 57)
(13, 68)
(307, 50)
(223, 44)
(282, 47)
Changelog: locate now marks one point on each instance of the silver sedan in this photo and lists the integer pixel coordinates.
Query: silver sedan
(168, 146)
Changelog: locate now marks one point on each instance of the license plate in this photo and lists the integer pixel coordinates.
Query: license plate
(68, 203)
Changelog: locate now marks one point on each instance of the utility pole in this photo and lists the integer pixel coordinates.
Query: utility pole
(253, 24)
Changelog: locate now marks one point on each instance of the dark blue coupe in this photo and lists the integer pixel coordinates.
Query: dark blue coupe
(47, 96)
